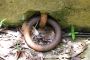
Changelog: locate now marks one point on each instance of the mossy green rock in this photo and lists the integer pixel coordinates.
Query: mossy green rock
(67, 12)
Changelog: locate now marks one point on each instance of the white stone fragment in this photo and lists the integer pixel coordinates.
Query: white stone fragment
(11, 58)
(78, 47)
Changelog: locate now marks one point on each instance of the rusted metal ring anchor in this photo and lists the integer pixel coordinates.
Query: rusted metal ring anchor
(43, 20)
(27, 29)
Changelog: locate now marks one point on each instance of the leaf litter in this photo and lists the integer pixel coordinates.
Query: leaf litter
(13, 47)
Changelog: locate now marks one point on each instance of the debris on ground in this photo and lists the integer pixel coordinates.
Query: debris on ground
(67, 50)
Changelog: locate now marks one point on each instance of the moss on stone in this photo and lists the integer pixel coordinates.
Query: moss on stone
(67, 12)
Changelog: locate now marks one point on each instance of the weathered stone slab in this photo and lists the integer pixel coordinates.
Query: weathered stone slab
(76, 12)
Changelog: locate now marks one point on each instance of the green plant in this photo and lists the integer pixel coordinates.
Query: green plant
(18, 46)
(19, 50)
(2, 22)
(73, 33)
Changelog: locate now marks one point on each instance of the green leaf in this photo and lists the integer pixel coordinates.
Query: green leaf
(1, 22)
(73, 33)
(18, 46)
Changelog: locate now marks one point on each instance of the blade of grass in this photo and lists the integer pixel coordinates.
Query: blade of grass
(1, 22)
(73, 33)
